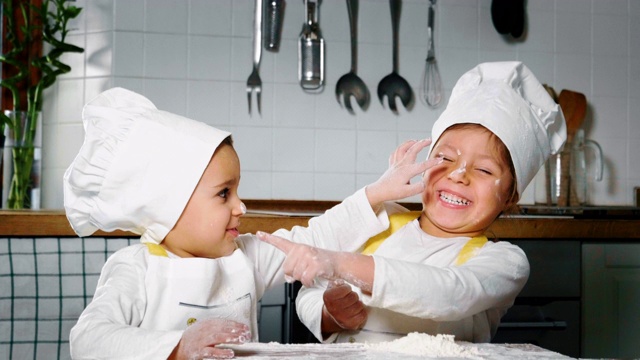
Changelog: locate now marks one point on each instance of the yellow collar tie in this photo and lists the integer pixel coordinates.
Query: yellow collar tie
(398, 220)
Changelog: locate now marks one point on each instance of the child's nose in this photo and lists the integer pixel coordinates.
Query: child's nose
(239, 208)
(459, 174)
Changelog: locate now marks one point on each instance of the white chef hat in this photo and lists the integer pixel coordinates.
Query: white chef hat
(137, 167)
(507, 99)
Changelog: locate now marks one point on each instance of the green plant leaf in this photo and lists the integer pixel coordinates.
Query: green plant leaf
(52, 18)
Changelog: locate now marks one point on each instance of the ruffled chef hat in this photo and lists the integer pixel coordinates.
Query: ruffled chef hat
(137, 167)
(507, 99)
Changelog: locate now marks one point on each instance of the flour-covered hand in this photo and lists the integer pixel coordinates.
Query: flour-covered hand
(395, 183)
(344, 307)
(199, 340)
(303, 262)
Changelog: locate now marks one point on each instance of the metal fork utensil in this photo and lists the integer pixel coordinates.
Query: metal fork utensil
(254, 83)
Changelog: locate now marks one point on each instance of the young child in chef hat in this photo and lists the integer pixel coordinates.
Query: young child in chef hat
(434, 271)
(193, 282)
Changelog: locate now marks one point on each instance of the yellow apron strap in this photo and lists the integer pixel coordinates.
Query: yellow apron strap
(470, 248)
(155, 249)
(396, 222)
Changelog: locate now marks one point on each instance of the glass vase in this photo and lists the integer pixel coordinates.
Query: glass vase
(20, 155)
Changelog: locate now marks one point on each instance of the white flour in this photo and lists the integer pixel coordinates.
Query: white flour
(426, 345)
(414, 346)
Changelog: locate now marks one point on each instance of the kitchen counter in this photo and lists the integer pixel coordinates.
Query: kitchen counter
(553, 243)
(272, 215)
(414, 346)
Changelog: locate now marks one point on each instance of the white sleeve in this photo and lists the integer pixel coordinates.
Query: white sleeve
(491, 279)
(108, 327)
(345, 227)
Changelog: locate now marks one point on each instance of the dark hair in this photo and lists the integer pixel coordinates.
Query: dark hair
(227, 141)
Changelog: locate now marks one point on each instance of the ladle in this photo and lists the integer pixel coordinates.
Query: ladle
(393, 84)
(351, 84)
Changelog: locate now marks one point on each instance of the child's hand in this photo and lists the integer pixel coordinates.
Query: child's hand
(343, 307)
(200, 339)
(395, 183)
(303, 262)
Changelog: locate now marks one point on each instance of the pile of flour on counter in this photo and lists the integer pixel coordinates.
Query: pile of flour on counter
(426, 345)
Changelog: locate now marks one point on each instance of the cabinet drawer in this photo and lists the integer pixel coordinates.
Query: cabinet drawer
(554, 326)
(555, 268)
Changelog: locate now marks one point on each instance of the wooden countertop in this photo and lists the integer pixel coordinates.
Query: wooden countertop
(54, 223)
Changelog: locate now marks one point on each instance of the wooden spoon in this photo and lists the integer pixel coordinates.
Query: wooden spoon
(574, 107)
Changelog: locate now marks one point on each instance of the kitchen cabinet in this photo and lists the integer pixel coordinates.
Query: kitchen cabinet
(611, 298)
(272, 315)
(547, 310)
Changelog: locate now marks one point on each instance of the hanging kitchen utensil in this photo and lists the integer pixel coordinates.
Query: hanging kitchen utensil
(254, 83)
(508, 17)
(431, 85)
(393, 84)
(350, 84)
(274, 14)
(574, 108)
(311, 50)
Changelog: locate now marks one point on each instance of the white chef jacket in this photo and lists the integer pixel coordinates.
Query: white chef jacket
(143, 302)
(418, 288)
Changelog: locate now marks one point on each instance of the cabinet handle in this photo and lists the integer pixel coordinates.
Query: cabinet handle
(538, 325)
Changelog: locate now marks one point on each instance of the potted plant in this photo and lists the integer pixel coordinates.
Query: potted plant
(29, 27)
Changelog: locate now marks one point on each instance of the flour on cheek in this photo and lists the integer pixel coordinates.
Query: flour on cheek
(497, 189)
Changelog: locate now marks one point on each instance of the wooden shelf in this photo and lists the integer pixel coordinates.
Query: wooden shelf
(54, 223)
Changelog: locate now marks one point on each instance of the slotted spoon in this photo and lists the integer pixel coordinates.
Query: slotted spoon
(394, 85)
(350, 84)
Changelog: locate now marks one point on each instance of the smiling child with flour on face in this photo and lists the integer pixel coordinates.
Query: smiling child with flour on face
(435, 272)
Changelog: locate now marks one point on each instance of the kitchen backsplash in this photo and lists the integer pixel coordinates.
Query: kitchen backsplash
(193, 58)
